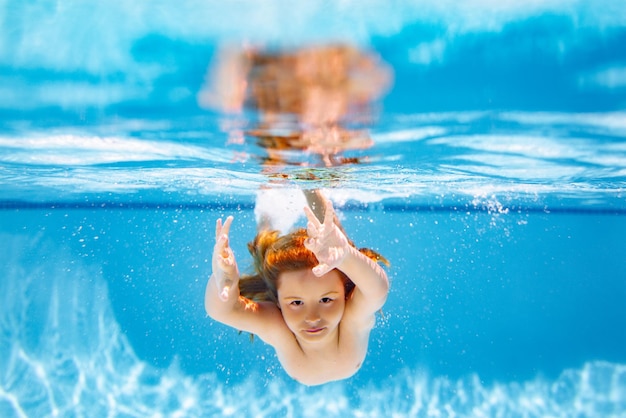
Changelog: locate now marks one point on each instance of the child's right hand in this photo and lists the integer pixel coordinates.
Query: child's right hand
(325, 240)
(225, 268)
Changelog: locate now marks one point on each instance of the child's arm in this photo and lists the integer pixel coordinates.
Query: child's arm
(222, 300)
(333, 250)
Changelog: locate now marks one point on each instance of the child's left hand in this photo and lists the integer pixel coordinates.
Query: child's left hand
(326, 240)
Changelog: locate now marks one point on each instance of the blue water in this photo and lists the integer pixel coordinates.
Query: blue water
(495, 185)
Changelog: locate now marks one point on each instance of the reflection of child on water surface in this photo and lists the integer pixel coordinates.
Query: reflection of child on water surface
(313, 296)
(310, 99)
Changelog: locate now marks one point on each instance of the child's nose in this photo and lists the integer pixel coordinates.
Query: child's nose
(312, 315)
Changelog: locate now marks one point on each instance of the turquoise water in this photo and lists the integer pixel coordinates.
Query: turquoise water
(494, 183)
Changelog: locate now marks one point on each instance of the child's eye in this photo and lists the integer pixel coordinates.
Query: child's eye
(295, 302)
(326, 300)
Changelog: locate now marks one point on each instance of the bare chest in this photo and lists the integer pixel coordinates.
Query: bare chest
(315, 367)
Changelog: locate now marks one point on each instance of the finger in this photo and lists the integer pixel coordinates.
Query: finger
(311, 217)
(221, 241)
(312, 230)
(329, 213)
(226, 227)
(218, 228)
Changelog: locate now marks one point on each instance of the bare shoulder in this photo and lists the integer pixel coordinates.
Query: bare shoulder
(262, 319)
(359, 314)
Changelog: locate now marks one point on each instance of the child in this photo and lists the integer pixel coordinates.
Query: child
(313, 299)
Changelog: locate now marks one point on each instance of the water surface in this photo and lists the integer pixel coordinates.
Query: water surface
(489, 166)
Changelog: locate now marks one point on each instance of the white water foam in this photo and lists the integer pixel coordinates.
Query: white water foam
(63, 354)
(281, 217)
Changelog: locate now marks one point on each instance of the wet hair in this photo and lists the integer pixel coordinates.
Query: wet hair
(273, 254)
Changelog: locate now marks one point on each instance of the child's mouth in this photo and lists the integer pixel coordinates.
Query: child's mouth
(314, 330)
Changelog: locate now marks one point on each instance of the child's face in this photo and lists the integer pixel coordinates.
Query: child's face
(312, 307)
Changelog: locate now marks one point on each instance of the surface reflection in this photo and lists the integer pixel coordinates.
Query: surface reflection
(315, 99)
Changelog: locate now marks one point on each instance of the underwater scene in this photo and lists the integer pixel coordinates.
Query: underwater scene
(479, 147)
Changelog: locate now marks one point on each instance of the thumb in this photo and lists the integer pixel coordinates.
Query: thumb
(321, 269)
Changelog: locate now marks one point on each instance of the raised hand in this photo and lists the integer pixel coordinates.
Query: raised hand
(224, 265)
(326, 240)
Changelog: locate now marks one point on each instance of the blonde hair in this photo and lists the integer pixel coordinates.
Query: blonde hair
(273, 254)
